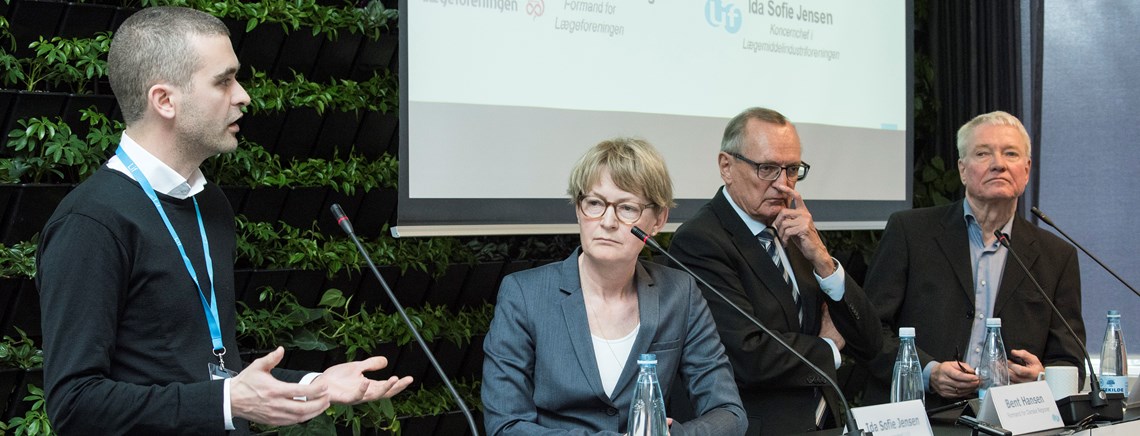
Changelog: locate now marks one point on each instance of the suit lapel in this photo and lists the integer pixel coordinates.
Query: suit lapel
(955, 245)
(761, 265)
(1025, 244)
(649, 314)
(577, 324)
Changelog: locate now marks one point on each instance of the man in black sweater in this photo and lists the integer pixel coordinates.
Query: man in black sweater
(135, 268)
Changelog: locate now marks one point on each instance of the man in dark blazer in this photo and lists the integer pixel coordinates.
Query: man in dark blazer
(942, 271)
(816, 309)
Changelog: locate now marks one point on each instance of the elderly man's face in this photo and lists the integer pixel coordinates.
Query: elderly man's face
(996, 164)
(764, 142)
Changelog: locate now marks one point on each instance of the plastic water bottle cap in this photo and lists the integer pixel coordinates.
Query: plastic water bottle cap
(993, 322)
(906, 332)
(647, 359)
(1114, 314)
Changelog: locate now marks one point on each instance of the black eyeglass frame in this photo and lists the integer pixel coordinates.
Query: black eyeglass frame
(786, 170)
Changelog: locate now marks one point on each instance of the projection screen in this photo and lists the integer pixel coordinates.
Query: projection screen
(500, 97)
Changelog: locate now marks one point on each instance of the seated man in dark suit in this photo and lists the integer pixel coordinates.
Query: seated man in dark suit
(755, 241)
(942, 271)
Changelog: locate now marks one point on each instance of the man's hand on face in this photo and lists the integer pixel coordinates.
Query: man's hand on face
(794, 225)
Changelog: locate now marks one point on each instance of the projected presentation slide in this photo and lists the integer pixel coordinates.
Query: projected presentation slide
(502, 96)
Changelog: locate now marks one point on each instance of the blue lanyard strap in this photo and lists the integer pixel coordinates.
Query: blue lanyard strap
(211, 306)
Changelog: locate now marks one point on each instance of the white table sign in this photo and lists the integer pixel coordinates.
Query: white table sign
(907, 418)
(1021, 408)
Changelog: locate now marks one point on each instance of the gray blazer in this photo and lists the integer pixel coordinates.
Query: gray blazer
(540, 374)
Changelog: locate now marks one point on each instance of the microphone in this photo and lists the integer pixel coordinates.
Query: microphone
(982, 427)
(346, 225)
(852, 426)
(1096, 397)
(1041, 215)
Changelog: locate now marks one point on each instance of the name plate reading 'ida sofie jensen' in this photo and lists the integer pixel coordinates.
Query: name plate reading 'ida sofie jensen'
(907, 418)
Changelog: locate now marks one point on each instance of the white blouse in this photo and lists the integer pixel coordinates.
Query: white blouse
(611, 356)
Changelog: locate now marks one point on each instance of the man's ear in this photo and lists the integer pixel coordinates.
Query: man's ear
(724, 164)
(162, 99)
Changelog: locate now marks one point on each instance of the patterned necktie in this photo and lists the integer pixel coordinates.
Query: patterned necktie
(767, 237)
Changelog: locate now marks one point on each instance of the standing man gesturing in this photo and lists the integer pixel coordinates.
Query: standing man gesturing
(135, 267)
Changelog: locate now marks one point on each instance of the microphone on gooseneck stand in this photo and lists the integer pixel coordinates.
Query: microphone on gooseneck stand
(852, 426)
(346, 225)
(1097, 399)
(1041, 215)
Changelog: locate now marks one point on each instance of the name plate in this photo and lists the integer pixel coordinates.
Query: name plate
(907, 418)
(1021, 408)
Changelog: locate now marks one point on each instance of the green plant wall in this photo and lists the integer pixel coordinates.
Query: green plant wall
(60, 124)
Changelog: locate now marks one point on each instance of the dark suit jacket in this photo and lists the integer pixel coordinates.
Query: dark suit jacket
(778, 390)
(921, 277)
(540, 374)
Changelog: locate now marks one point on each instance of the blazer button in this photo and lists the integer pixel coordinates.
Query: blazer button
(970, 314)
(611, 411)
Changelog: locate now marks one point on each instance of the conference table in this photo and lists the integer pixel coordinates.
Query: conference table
(1122, 428)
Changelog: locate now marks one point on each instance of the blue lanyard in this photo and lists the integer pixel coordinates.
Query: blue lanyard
(211, 306)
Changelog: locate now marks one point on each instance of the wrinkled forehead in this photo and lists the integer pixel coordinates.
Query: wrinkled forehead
(998, 137)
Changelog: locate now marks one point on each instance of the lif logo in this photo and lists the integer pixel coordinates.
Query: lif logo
(535, 8)
(725, 15)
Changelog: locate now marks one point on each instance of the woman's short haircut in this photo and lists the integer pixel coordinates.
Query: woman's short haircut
(634, 165)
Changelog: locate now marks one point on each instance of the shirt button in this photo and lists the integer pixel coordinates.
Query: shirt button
(979, 316)
(611, 411)
(978, 349)
(983, 282)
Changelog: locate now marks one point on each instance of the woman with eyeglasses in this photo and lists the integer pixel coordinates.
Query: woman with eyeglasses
(561, 353)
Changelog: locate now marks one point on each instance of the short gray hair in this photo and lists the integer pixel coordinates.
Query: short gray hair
(734, 131)
(995, 118)
(151, 47)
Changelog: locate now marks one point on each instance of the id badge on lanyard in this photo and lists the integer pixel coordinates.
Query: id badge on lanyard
(210, 306)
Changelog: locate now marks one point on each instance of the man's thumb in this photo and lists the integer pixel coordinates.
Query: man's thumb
(269, 361)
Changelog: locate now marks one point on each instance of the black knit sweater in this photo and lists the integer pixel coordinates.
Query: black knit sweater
(126, 344)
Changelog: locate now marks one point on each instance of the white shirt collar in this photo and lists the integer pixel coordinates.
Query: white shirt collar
(754, 226)
(161, 177)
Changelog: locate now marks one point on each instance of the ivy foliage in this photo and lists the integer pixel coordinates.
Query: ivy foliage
(281, 246)
(371, 21)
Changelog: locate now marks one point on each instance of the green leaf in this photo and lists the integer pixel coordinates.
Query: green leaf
(333, 298)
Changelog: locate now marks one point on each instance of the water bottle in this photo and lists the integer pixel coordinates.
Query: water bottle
(1113, 357)
(993, 370)
(906, 381)
(647, 410)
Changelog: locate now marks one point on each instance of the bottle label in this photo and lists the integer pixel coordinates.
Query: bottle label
(1114, 384)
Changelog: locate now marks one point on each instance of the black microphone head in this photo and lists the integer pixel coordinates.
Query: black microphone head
(337, 212)
(1041, 216)
(1002, 238)
(639, 233)
(645, 238)
(341, 218)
